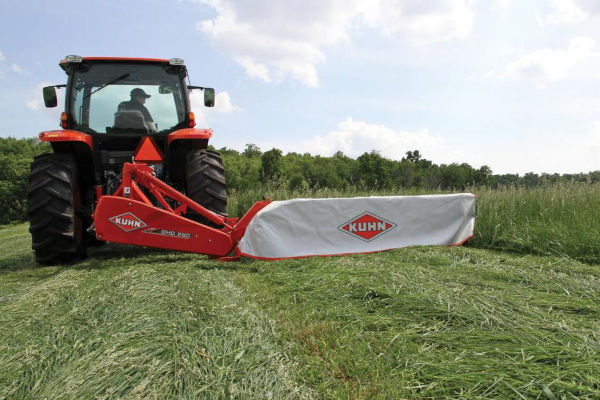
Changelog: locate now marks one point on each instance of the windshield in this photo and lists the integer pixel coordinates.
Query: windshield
(126, 98)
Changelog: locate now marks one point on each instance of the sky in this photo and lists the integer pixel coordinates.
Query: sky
(514, 85)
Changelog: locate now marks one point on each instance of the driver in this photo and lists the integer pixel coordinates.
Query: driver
(138, 98)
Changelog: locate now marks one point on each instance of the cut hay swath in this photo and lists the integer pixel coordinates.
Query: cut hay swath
(324, 227)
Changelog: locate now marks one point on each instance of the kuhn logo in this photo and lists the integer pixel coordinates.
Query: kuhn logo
(128, 222)
(367, 226)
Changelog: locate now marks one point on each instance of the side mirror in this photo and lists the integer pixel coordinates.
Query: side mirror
(162, 89)
(50, 99)
(209, 97)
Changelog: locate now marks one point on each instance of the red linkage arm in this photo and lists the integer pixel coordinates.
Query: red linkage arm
(143, 175)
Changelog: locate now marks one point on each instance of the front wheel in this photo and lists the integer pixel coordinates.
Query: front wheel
(53, 199)
(205, 182)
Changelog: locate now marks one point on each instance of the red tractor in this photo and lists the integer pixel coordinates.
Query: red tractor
(105, 125)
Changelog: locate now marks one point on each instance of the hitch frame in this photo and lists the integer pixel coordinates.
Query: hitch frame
(129, 217)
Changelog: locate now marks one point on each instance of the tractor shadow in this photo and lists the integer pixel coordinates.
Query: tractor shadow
(108, 255)
(18, 263)
(114, 255)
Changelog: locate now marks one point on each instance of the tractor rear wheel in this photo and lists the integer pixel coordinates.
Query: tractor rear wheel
(53, 199)
(205, 182)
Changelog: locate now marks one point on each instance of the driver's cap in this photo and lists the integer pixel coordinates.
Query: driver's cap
(137, 92)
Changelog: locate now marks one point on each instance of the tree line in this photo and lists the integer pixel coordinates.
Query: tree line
(372, 171)
(252, 167)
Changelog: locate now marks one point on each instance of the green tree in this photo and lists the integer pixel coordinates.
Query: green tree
(482, 176)
(374, 170)
(16, 156)
(272, 164)
(251, 151)
(413, 156)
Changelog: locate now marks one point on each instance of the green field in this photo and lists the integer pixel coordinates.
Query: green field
(515, 314)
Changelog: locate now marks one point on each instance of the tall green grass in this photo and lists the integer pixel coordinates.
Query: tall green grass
(561, 219)
(240, 201)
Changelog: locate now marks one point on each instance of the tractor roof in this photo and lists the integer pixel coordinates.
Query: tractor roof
(78, 59)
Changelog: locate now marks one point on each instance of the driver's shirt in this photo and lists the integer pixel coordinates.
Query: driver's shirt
(133, 104)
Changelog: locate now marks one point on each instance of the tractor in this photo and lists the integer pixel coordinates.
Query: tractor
(99, 136)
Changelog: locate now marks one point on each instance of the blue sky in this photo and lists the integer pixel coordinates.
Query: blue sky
(514, 85)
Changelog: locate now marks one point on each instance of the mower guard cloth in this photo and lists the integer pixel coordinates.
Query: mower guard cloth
(324, 227)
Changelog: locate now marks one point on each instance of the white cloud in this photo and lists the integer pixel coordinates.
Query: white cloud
(572, 153)
(592, 7)
(13, 67)
(503, 4)
(593, 139)
(3, 68)
(222, 103)
(254, 70)
(36, 100)
(273, 41)
(354, 138)
(422, 22)
(36, 103)
(548, 65)
(572, 11)
(566, 11)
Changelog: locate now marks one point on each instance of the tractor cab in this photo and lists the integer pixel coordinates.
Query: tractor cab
(115, 106)
(101, 96)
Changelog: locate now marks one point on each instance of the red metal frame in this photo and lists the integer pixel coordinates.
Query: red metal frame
(66, 136)
(189, 133)
(130, 217)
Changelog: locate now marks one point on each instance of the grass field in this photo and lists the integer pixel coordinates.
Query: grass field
(512, 316)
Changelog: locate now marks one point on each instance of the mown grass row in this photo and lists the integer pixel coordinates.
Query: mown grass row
(561, 219)
(133, 323)
(437, 323)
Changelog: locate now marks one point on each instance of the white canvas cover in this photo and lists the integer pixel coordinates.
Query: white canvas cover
(320, 227)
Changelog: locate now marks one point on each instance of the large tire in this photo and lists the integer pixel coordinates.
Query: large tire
(205, 182)
(53, 199)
